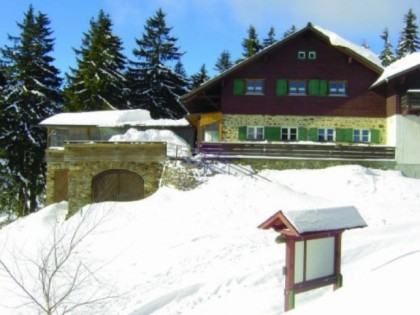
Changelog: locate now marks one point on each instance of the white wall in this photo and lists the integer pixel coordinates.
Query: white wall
(408, 139)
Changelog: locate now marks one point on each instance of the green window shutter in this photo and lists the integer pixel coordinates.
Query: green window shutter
(374, 136)
(281, 87)
(242, 133)
(238, 87)
(323, 87)
(313, 134)
(313, 87)
(302, 134)
(272, 133)
(344, 135)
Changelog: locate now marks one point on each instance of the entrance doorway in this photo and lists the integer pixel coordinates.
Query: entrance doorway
(117, 185)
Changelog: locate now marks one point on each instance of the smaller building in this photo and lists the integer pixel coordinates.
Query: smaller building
(94, 157)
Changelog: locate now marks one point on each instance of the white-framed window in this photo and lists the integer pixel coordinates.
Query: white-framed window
(288, 134)
(338, 88)
(301, 55)
(312, 55)
(361, 135)
(255, 133)
(297, 87)
(326, 134)
(254, 86)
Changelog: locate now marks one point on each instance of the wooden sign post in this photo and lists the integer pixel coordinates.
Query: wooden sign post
(313, 246)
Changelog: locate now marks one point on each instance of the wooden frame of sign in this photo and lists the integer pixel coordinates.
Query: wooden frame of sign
(313, 247)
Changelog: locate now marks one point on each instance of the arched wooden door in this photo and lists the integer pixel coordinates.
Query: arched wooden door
(117, 185)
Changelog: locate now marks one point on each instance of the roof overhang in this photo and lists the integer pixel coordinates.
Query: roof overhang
(301, 222)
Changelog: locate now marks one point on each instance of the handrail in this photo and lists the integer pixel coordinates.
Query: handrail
(294, 150)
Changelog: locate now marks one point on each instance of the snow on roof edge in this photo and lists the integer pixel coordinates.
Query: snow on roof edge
(402, 65)
(326, 219)
(110, 118)
(339, 41)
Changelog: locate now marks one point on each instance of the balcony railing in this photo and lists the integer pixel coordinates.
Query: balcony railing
(308, 151)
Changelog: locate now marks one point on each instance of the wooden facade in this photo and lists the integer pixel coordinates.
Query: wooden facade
(330, 64)
(295, 79)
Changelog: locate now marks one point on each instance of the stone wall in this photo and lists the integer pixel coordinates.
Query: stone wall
(85, 163)
(231, 123)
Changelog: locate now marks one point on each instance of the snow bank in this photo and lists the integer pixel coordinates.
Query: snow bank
(200, 252)
(177, 146)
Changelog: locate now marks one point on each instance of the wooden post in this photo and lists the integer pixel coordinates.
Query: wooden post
(289, 292)
(339, 282)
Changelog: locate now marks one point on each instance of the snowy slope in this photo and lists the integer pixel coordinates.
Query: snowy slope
(200, 251)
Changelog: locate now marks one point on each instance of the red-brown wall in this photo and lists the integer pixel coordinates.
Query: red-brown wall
(330, 64)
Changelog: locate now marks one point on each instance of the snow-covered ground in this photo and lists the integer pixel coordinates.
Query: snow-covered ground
(200, 251)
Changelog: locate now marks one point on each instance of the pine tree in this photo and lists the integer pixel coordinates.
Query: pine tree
(251, 44)
(31, 93)
(387, 56)
(224, 62)
(290, 31)
(98, 83)
(409, 40)
(180, 71)
(200, 77)
(154, 85)
(271, 38)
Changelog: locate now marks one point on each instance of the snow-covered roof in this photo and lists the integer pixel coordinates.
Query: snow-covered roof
(355, 50)
(399, 67)
(316, 220)
(111, 118)
(339, 41)
(326, 219)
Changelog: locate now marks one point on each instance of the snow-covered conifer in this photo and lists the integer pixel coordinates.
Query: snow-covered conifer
(31, 92)
(153, 84)
(387, 56)
(98, 82)
(409, 40)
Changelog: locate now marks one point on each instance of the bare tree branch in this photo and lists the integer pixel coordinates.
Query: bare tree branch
(61, 275)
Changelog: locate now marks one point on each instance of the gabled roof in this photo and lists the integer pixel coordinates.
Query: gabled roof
(363, 55)
(299, 222)
(398, 68)
(110, 118)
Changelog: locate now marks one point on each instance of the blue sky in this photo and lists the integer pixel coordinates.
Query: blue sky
(207, 27)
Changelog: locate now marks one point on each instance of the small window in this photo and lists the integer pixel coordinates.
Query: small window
(338, 88)
(254, 87)
(312, 55)
(361, 135)
(301, 55)
(326, 134)
(255, 133)
(297, 87)
(288, 134)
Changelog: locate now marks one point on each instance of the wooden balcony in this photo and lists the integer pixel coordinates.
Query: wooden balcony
(298, 151)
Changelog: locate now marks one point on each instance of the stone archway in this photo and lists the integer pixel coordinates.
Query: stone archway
(117, 185)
